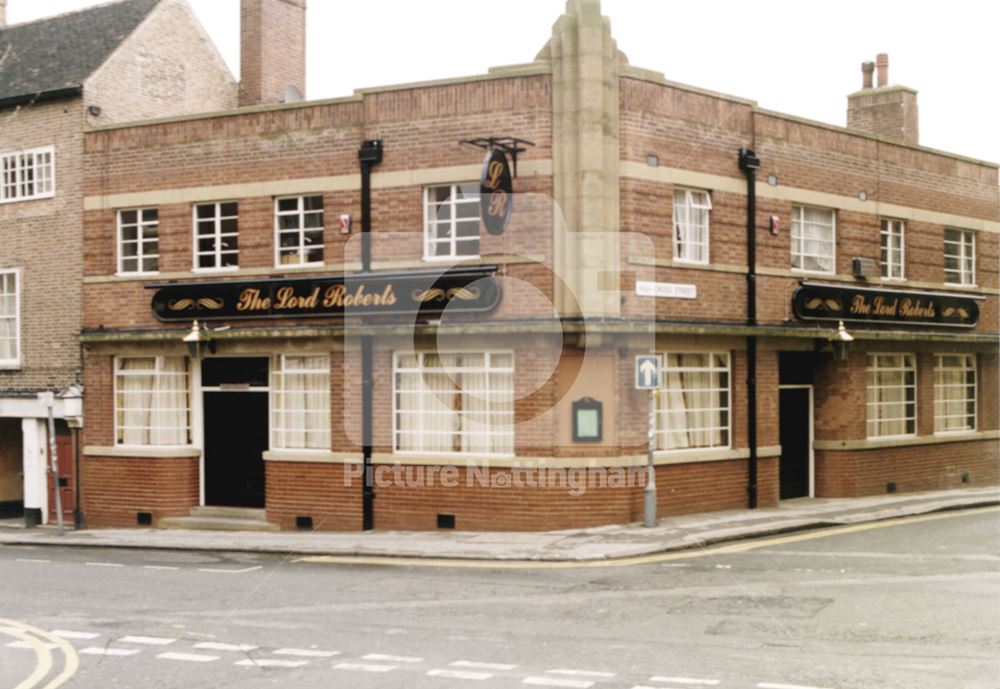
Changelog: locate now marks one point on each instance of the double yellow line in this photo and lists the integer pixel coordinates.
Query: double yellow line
(39, 640)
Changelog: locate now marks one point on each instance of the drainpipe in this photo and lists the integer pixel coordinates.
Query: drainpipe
(749, 164)
(369, 156)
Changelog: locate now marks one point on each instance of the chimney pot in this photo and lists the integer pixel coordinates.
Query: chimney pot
(867, 68)
(882, 61)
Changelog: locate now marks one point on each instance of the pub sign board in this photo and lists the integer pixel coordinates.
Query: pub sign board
(412, 295)
(815, 302)
(496, 192)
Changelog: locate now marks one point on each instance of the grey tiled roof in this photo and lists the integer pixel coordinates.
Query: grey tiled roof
(52, 57)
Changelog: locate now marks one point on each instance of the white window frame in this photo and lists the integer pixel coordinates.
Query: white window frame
(968, 366)
(141, 223)
(157, 373)
(661, 409)
(15, 363)
(301, 248)
(966, 244)
(218, 235)
(487, 369)
(689, 204)
(872, 371)
(278, 389)
(452, 241)
(798, 242)
(892, 269)
(43, 160)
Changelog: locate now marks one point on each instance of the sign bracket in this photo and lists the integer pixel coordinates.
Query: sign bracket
(511, 145)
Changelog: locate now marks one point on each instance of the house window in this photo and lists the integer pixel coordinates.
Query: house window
(693, 404)
(955, 393)
(893, 249)
(813, 240)
(28, 174)
(451, 221)
(892, 395)
(691, 211)
(216, 236)
(10, 327)
(960, 257)
(138, 241)
(300, 402)
(152, 401)
(299, 228)
(454, 403)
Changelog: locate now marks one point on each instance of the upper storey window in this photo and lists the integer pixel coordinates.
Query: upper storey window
(298, 222)
(216, 236)
(28, 174)
(960, 257)
(893, 249)
(139, 240)
(451, 221)
(814, 240)
(691, 210)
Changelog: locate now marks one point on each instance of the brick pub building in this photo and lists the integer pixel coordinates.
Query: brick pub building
(630, 237)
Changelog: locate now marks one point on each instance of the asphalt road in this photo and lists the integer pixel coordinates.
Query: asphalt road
(907, 605)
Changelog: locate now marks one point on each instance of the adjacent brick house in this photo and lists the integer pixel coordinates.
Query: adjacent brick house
(629, 237)
(117, 62)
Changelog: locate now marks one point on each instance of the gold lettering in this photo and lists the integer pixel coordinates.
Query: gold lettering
(250, 300)
(498, 204)
(860, 305)
(493, 174)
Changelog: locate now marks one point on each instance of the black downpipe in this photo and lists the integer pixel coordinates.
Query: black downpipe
(749, 164)
(369, 156)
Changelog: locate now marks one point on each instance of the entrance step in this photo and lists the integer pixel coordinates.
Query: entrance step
(220, 519)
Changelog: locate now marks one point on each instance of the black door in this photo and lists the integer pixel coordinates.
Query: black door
(796, 413)
(236, 429)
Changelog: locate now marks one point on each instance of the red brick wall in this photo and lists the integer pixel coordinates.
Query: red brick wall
(114, 489)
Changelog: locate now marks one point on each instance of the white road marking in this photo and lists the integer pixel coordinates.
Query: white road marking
(460, 674)
(270, 662)
(25, 644)
(148, 640)
(37, 562)
(215, 646)
(771, 685)
(364, 667)
(103, 564)
(392, 659)
(230, 571)
(101, 651)
(190, 657)
(75, 635)
(686, 680)
(161, 567)
(482, 666)
(581, 673)
(553, 682)
(305, 653)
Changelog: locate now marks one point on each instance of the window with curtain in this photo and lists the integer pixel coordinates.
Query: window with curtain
(454, 403)
(691, 211)
(960, 257)
(451, 221)
(955, 393)
(300, 402)
(693, 408)
(813, 239)
(892, 395)
(892, 248)
(139, 241)
(152, 401)
(299, 229)
(10, 329)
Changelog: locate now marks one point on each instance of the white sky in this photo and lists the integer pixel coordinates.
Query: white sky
(802, 58)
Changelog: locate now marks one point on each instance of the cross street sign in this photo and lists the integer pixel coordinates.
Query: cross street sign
(647, 371)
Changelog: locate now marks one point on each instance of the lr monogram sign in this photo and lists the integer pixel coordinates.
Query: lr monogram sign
(496, 190)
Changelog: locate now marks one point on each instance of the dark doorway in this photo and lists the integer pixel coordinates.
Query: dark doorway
(795, 419)
(236, 431)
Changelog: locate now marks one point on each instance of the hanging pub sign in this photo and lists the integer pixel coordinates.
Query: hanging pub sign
(814, 302)
(496, 191)
(411, 295)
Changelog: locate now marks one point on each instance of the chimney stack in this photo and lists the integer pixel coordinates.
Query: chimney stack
(3, 13)
(887, 111)
(272, 51)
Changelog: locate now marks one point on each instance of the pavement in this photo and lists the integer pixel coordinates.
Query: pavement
(612, 542)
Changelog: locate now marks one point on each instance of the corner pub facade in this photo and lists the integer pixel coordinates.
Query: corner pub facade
(629, 237)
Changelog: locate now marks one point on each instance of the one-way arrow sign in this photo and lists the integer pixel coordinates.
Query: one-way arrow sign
(647, 371)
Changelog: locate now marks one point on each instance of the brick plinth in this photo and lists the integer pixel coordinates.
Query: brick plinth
(115, 489)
